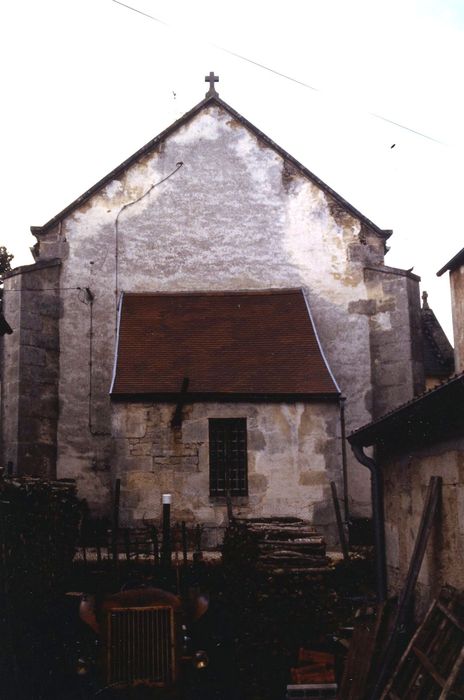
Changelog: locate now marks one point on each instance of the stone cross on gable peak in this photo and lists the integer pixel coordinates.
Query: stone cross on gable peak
(211, 79)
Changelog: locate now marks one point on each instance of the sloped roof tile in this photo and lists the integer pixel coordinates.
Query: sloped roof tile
(228, 344)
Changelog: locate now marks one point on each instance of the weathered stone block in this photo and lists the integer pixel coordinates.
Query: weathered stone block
(33, 355)
(141, 450)
(31, 320)
(189, 461)
(395, 374)
(170, 462)
(50, 306)
(366, 307)
(195, 431)
(128, 421)
(143, 464)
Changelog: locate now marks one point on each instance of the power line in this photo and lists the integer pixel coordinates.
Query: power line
(221, 48)
(134, 9)
(402, 126)
(281, 75)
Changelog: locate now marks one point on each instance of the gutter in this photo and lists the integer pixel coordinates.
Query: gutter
(378, 518)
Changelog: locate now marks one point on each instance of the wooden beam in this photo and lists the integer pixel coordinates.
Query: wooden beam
(405, 599)
(338, 516)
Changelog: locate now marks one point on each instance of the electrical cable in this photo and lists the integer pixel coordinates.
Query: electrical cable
(179, 164)
(45, 289)
(87, 297)
(281, 75)
(221, 48)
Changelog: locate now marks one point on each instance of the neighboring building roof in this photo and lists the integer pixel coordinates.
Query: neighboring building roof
(435, 415)
(438, 351)
(250, 344)
(154, 143)
(452, 264)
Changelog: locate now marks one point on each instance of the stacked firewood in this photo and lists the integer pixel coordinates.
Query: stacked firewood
(288, 544)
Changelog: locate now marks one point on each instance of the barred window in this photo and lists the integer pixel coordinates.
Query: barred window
(228, 457)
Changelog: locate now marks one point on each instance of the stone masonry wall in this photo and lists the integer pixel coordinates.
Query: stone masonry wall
(236, 215)
(457, 301)
(395, 335)
(294, 451)
(406, 480)
(31, 360)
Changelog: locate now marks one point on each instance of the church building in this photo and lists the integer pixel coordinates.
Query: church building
(208, 320)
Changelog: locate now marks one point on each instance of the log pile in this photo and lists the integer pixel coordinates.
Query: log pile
(287, 545)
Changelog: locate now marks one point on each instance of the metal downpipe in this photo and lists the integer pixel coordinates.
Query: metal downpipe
(378, 518)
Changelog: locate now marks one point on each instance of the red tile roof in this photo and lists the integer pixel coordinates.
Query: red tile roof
(228, 344)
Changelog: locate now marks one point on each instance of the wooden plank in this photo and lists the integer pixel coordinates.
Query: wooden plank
(405, 600)
(429, 667)
(408, 650)
(450, 616)
(358, 663)
(184, 543)
(447, 688)
(443, 637)
(426, 524)
(388, 693)
(338, 516)
(115, 529)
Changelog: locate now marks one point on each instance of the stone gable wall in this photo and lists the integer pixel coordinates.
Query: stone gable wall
(236, 215)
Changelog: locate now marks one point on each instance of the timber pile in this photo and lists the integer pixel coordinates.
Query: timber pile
(287, 545)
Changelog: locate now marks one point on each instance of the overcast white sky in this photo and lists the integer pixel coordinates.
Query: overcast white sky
(87, 82)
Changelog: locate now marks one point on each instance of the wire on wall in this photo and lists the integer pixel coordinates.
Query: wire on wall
(87, 297)
(179, 164)
(45, 289)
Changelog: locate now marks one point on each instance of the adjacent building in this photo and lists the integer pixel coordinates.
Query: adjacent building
(419, 439)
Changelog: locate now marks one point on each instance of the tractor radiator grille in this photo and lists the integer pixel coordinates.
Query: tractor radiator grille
(141, 646)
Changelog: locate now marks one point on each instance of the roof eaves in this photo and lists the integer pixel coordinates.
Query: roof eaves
(456, 260)
(217, 292)
(221, 397)
(358, 437)
(39, 230)
(387, 270)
